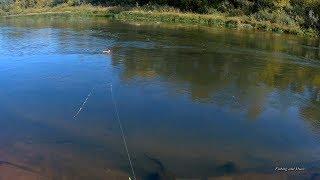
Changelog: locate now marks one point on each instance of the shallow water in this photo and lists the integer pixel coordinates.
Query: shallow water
(194, 102)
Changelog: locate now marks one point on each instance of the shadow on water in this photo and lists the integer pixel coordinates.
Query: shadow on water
(161, 172)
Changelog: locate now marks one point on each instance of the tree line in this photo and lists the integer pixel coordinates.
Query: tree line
(306, 13)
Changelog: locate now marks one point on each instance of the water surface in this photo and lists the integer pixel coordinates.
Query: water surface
(194, 102)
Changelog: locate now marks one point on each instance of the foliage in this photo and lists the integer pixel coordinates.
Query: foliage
(277, 16)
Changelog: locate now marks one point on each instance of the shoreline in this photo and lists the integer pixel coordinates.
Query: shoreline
(171, 16)
(35, 14)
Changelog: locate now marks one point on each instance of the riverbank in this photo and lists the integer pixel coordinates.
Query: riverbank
(166, 15)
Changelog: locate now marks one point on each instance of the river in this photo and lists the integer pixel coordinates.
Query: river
(193, 102)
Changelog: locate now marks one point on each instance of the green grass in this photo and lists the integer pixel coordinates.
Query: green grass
(167, 15)
(83, 10)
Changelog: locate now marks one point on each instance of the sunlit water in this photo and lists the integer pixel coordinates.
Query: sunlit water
(194, 102)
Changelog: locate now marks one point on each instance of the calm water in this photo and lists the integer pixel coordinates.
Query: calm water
(194, 102)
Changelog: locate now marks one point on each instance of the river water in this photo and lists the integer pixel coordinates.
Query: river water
(193, 102)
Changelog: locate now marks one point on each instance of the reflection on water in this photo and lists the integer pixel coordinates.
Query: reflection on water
(194, 102)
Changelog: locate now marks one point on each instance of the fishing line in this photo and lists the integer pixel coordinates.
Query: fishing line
(83, 104)
(122, 132)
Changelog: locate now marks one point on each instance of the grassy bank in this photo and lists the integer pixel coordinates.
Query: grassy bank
(162, 14)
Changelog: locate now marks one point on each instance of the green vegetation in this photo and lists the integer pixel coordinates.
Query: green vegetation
(283, 16)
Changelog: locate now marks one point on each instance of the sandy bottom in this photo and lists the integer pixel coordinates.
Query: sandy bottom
(13, 173)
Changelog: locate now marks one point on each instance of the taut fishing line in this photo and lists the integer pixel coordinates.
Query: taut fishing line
(122, 132)
(83, 104)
